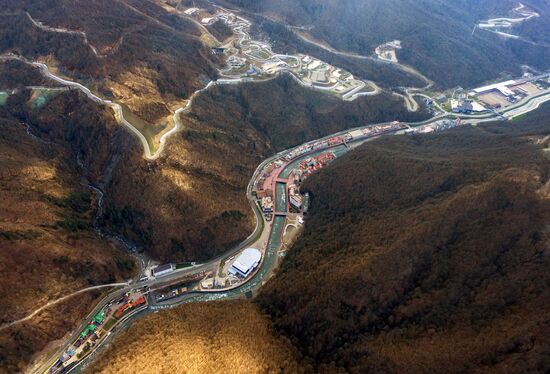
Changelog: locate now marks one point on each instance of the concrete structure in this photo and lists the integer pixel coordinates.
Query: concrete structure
(501, 87)
(477, 107)
(191, 11)
(461, 106)
(319, 76)
(296, 202)
(162, 270)
(356, 134)
(246, 262)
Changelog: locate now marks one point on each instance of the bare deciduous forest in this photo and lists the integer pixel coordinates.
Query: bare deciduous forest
(424, 253)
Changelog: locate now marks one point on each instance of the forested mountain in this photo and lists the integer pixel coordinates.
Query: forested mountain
(187, 205)
(420, 254)
(133, 51)
(48, 245)
(229, 131)
(201, 338)
(437, 36)
(424, 254)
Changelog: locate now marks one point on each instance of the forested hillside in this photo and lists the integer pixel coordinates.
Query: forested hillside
(201, 338)
(207, 166)
(48, 245)
(133, 51)
(424, 254)
(437, 36)
(420, 254)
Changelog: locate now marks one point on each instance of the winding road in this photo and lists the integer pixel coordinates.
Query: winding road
(240, 30)
(262, 228)
(57, 301)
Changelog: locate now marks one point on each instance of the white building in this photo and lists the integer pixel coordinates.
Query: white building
(356, 134)
(247, 261)
(501, 87)
(461, 106)
(162, 270)
(191, 11)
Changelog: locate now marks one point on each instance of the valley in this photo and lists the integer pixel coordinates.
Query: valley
(247, 60)
(46, 233)
(207, 169)
(211, 281)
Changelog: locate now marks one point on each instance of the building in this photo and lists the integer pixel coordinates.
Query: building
(356, 134)
(162, 270)
(191, 11)
(441, 99)
(296, 202)
(461, 106)
(305, 202)
(500, 87)
(235, 62)
(267, 204)
(247, 261)
(319, 76)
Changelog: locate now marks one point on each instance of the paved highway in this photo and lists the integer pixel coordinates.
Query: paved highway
(240, 29)
(253, 283)
(262, 228)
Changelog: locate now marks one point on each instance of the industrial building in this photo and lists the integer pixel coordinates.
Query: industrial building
(502, 87)
(162, 270)
(461, 106)
(296, 202)
(500, 95)
(247, 261)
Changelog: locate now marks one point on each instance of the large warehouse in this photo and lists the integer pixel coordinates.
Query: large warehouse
(162, 270)
(246, 262)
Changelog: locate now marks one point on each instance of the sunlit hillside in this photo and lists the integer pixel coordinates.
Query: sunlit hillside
(200, 338)
(48, 247)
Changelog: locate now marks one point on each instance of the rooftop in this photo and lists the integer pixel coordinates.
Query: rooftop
(162, 268)
(247, 260)
(494, 86)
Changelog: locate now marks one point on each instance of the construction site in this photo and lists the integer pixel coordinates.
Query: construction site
(504, 94)
(388, 51)
(248, 59)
